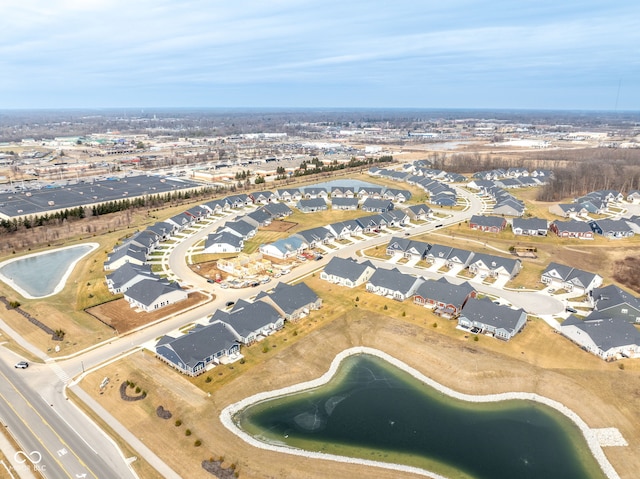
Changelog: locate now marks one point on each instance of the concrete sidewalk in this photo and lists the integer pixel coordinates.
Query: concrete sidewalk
(135, 443)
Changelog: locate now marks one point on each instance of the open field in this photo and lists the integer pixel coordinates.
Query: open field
(118, 314)
(537, 360)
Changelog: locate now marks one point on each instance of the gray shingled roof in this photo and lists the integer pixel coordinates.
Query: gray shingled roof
(484, 311)
(346, 268)
(127, 272)
(611, 296)
(445, 292)
(147, 291)
(606, 333)
(188, 350)
(247, 318)
(290, 298)
(393, 280)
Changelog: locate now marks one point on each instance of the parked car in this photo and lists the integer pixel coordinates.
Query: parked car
(209, 280)
(319, 257)
(569, 309)
(228, 304)
(22, 365)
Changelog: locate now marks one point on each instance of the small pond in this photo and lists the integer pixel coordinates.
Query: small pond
(43, 274)
(375, 411)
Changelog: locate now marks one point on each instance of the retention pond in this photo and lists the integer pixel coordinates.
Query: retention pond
(372, 410)
(44, 274)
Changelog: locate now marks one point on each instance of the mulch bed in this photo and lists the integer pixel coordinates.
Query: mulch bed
(215, 468)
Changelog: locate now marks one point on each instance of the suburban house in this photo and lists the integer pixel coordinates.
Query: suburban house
(483, 316)
(344, 229)
(633, 196)
(616, 302)
(419, 212)
(126, 254)
(263, 197)
(572, 229)
(238, 201)
(216, 206)
(447, 256)
(198, 213)
(609, 338)
(277, 210)
(396, 217)
(443, 198)
(530, 226)
(250, 322)
(508, 206)
(146, 239)
(612, 229)
(408, 248)
(347, 272)
(445, 298)
(313, 192)
(565, 277)
(149, 294)
(239, 228)
(289, 194)
(312, 205)
(346, 203)
(315, 236)
(181, 221)
(373, 205)
(568, 210)
(127, 275)
(191, 353)
(491, 224)
(396, 195)
(162, 230)
(342, 192)
(494, 266)
(393, 284)
(223, 242)
(292, 302)
(258, 218)
(284, 248)
(370, 192)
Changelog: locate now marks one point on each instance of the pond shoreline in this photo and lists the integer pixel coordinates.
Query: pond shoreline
(227, 415)
(63, 280)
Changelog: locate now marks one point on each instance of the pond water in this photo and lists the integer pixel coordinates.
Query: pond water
(344, 183)
(43, 274)
(372, 410)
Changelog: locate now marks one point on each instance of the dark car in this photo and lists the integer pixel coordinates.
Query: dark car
(209, 280)
(22, 365)
(230, 303)
(569, 309)
(319, 257)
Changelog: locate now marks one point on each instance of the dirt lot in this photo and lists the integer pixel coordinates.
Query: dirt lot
(280, 226)
(119, 315)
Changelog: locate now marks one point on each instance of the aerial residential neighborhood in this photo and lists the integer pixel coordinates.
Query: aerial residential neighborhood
(208, 291)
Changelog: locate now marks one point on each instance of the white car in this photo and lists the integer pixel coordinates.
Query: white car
(21, 365)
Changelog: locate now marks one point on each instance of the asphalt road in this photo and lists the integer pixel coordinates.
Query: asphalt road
(49, 444)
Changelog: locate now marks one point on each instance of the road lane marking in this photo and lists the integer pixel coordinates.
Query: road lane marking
(44, 421)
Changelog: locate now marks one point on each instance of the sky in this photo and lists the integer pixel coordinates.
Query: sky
(513, 54)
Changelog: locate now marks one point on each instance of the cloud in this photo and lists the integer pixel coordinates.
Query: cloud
(111, 45)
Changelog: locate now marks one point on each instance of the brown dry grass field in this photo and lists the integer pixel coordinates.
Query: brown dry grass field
(119, 315)
(537, 360)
